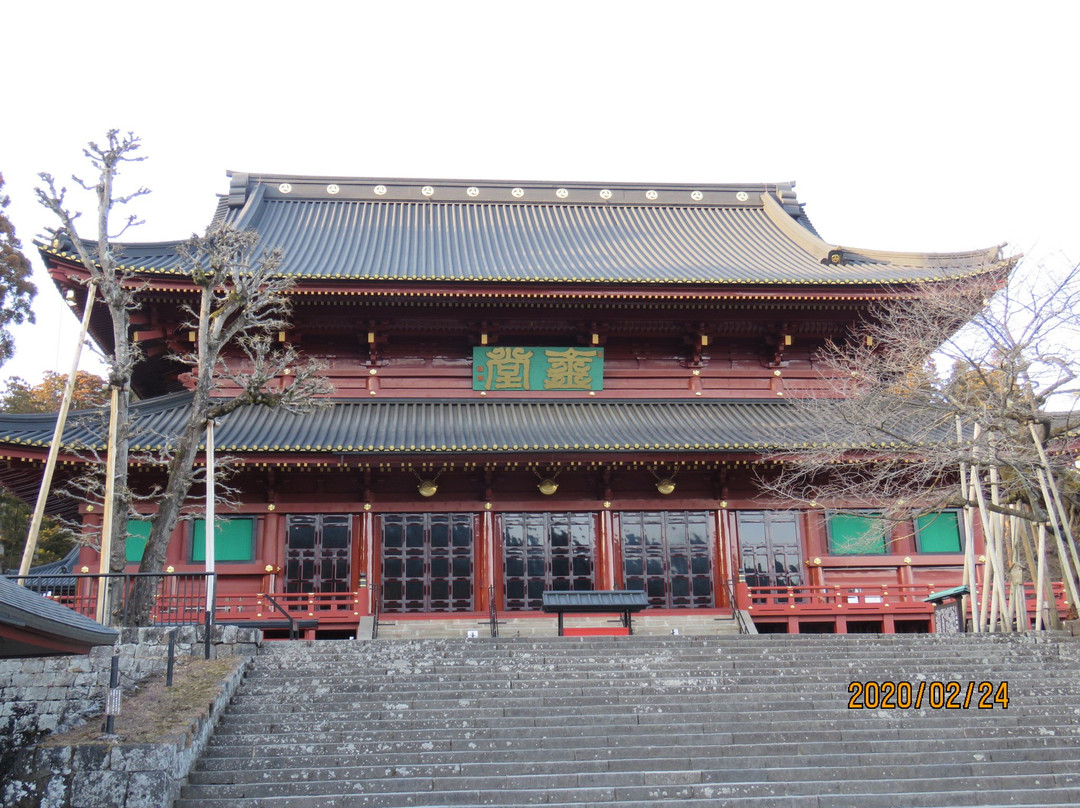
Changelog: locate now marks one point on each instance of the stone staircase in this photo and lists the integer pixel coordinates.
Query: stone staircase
(759, 721)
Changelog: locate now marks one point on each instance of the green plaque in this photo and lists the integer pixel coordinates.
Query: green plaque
(232, 540)
(547, 369)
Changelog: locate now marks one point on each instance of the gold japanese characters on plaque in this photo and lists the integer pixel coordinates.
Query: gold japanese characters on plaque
(538, 368)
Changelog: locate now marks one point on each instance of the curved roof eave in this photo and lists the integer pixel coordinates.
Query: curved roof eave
(410, 232)
(450, 428)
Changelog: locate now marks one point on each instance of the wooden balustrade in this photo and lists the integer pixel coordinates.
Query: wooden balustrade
(332, 608)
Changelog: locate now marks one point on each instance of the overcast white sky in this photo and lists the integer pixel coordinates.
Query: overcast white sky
(925, 126)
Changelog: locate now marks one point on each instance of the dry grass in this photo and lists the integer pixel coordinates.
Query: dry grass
(154, 712)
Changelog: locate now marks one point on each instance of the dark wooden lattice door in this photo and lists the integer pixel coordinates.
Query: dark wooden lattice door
(318, 553)
(545, 551)
(427, 562)
(668, 555)
(770, 547)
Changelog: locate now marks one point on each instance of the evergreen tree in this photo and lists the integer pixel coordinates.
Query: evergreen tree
(16, 290)
(19, 396)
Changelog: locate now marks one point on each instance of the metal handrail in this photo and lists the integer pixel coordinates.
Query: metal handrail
(376, 610)
(736, 612)
(493, 613)
(284, 611)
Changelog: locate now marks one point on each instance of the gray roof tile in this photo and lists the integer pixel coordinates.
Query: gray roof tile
(732, 235)
(25, 609)
(447, 427)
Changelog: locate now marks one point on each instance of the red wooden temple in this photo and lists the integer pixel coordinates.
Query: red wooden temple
(538, 386)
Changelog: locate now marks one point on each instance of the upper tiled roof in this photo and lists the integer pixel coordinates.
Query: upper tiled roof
(462, 231)
(448, 428)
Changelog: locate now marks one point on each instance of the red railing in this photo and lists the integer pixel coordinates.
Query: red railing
(328, 607)
(1061, 599)
(878, 599)
(180, 597)
(832, 600)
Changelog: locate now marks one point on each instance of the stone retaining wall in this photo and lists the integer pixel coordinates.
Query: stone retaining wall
(42, 695)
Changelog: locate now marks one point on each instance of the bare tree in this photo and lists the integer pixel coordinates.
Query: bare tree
(242, 305)
(899, 436)
(116, 286)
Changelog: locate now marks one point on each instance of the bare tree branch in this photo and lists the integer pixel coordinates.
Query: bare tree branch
(896, 432)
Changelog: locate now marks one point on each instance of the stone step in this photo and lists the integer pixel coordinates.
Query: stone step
(807, 780)
(626, 708)
(344, 667)
(577, 711)
(395, 627)
(690, 724)
(447, 660)
(637, 670)
(755, 644)
(598, 789)
(337, 669)
(790, 770)
(241, 758)
(448, 740)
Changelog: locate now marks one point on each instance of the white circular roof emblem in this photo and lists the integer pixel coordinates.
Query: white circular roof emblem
(651, 194)
(332, 189)
(473, 191)
(518, 192)
(427, 190)
(605, 194)
(742, 196)
(284, 188)
(697, 196)
(562, 193)
(380, 190)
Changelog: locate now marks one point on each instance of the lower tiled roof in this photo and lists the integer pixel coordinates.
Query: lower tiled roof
(447, 427)
(37, 617)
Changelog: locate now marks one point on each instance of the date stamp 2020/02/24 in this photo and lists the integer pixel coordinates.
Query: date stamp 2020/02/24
(889, 695)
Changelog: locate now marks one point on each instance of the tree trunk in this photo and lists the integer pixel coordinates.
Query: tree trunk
(181, 466)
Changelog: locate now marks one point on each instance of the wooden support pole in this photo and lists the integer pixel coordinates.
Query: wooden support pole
(1063, 515)
(1040, 579)
(1066, 569)
(998, 520)
(211, 550)
(991, 580)
(970, 578)
(58, 434)
(108, 515)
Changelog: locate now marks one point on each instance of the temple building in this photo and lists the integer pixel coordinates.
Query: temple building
(539, 386)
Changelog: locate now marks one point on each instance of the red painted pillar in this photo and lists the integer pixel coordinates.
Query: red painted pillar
(742, 593)
(722, 561)
(605, 573)
(272, 546)
(366, 551)
(484, 572)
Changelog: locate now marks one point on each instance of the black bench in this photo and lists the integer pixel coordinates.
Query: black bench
(586, 601)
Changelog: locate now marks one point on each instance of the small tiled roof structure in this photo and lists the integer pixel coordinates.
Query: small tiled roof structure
(464, 233)
(33, 625)
(455, 427)
(55, 575)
